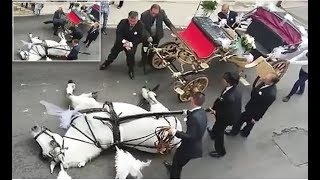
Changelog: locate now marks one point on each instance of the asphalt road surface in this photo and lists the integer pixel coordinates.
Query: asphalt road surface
(34, 24)
(258, 156)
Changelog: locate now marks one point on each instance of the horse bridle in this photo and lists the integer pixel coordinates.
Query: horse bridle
(162, 139)
(45, 131)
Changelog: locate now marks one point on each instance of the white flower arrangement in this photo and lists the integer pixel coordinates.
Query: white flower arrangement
(248, 42)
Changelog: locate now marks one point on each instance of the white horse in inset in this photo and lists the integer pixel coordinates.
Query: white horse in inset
(38, 49)
(88, 135)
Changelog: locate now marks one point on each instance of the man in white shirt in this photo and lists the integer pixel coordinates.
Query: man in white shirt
(299, 85)
(191, 143)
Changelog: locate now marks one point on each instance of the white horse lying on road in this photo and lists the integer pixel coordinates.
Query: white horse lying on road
(88, 135)
(38, 49)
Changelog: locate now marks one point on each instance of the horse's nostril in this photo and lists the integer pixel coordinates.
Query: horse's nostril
(34, 127)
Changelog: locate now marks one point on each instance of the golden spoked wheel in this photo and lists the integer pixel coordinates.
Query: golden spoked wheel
(197, 84)
(280, 66)
(185, 57)
(169, 49)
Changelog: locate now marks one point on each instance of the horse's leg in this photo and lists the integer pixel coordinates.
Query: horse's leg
(52, 166)
(70, 87)
(155, 105)
(122, 175)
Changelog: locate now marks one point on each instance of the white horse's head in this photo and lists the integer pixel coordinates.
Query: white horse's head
(23, 54)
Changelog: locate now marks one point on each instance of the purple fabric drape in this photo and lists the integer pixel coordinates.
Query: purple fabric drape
(289, 34)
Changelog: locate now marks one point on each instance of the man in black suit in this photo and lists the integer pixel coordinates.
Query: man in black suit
(262, 96)
(153, 20)
(191, 143)
(129, 34)
(93, 33)
(227, 110)
(58, 20)
(229, 15)
(73, 55)
(76, 33)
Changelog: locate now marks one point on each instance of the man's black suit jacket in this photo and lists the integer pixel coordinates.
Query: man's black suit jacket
(77, 34)
(260, 101)
(133, 35)
(146, 19)
(228, 107)
(191, 144)
(93, 34)
(73, 55)
(230, 20)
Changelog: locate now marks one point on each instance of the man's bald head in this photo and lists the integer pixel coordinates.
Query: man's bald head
(225, 8)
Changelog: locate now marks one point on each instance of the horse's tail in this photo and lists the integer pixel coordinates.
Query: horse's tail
(25, 43)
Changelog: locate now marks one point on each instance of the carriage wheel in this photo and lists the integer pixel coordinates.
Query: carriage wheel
(280, 67)
(198, 84)
(186, 57)
(169, 50)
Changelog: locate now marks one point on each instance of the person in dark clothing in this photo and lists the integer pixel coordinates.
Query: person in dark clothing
(58, 21)
(129, 34)
(93, 33)
(153, 19)
(120, 4)
(229, 15)
(262, 96)
(71, 6)
(191, 143)
(73, 55)
(227, 110)
(76, 33)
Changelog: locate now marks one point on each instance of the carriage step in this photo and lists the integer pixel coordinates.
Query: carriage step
(244, 81)
(179, 90)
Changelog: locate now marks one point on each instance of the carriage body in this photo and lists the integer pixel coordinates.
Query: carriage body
(202, 41)
(87, 17)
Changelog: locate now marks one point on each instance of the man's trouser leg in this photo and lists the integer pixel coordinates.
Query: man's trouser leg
(219, 140)
(115, 50)
(105, 20)
(131, 58)
(177, 164)
(238, 124)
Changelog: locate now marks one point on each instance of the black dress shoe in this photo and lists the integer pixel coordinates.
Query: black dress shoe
(102, 66)
(215, 154)
(131, 75)
(167, 165)
(229, 133)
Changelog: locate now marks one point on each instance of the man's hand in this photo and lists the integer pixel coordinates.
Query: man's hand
(253, 121)
(150, 39)
(172, 131)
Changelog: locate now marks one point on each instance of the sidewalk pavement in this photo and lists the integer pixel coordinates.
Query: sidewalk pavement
(179, 12)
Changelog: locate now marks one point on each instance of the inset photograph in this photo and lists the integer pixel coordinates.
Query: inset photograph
(56, 31)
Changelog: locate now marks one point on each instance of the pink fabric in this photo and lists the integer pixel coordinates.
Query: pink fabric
(285, 31)
(197, 41)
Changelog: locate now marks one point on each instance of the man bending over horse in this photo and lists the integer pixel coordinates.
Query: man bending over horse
(73, 55)
(58, 20)
(191, 144)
